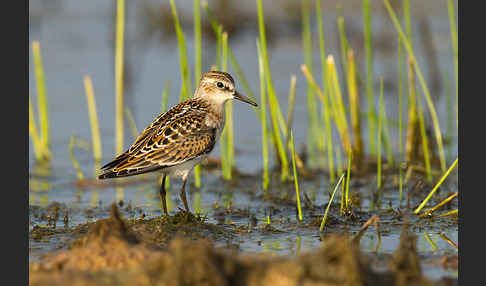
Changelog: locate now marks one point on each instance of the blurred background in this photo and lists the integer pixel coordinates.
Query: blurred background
(77, 39)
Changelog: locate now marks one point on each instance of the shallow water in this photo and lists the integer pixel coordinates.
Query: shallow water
(76, 38)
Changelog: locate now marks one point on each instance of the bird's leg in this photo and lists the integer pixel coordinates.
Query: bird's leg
(163, 194)
(183, 193)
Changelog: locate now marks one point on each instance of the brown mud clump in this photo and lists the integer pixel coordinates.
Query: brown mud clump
(113, 253)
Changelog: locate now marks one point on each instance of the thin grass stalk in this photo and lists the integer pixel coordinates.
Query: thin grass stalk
(448, 240)
(93, 118)
(425, 141)
(436, 207)
(165, 96)
(181, 43)
(263, 120)
(441, 180)
(378, 152)
(197, 69)
(273, 102)
(329, 204)
(412, 143)
(369, 75)
(348, 175)
(400, 116)
(36, 141)
(119, 47)
(344, 44)
(327, 117)
(424, 86)
(431, 242)
(79, 172)
(296, 182)
(322, 50)
(312, 129)
(131, 122)
(338, 106)
(41, 99)
(408, 19)
(386, 135)
(290, 108)
(228, 136)
(354, 108)
(453, 212)
(450, 112)
(452, 27)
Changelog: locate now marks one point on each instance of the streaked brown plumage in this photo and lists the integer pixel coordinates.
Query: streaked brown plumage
(180, 138)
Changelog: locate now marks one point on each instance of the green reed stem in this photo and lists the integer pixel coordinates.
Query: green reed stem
(344, 44)
(292, 149)
(369, 75)
(93, 118)
(36, 141)
(228, 136)
(242, 80)
(327, 117)
(273, 102)
(348, 175)
(79, 172)
(131, 122)
(290, 109)
(312, 129)
(425, 141)
(436, 207)
(338, 106)
(263, 119)
(400, 116)
(119, 47)
(386, 135)
(452, 27)
(42, 104)
(453, 212)
(454, 164)
(378, 153)
(425, 89)
(181, 43)
(197, 69)
(322, 50)
(354, 107)
(329, 204)
(165, 96)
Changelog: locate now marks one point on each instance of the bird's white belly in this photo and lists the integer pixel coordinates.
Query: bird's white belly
(183, 170)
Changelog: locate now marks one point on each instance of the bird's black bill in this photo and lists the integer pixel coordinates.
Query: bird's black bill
(243, 98)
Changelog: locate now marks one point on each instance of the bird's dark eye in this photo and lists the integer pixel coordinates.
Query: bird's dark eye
(220, 84)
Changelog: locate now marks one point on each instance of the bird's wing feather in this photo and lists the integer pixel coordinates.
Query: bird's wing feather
(176, 136)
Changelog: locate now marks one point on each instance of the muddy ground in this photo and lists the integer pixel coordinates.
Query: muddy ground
(177, 250)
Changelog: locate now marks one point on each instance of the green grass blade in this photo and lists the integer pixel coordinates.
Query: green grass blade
(296, 182)
(369, 75)
(327, 117)
(312, 140)
(452, 27)
(93, 118)
(425, 89)
(263, 119)
(273, 102)
(441, 180)
(378, 152)
(36, 141)
(181, 43)
(348, 174)
(329, 204)
(119, 47)
(165, 96)
(400, 119)
(425, 141)
(41, 99)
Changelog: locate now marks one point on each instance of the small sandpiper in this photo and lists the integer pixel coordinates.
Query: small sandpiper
(180, 138)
